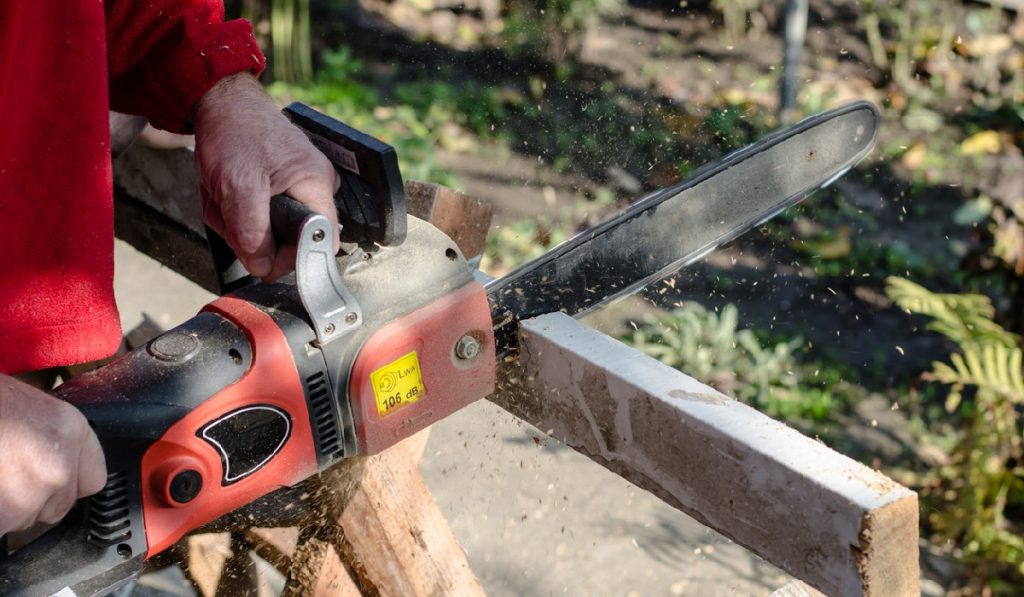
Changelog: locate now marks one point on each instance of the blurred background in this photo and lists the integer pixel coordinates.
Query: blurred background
(881, 316)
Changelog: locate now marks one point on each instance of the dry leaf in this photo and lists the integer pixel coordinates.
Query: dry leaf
(989, 44)
(915, 156)
(981, 143)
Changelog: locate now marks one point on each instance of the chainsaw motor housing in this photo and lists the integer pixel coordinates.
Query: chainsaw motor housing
(243, 399)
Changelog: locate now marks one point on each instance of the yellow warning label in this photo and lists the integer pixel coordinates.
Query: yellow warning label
(397, 384)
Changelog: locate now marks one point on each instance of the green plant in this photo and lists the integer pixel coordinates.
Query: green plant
(479, 108)
(710, 347)
(340, 91)
(969, 498)
(737, 124)
(903, 34)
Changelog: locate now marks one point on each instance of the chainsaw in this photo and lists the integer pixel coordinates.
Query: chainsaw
(272, 383)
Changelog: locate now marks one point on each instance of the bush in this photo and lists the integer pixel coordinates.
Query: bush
(969, 499)
(711, 348)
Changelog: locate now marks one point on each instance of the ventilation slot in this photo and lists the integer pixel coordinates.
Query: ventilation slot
(323, 415)
(108, 512)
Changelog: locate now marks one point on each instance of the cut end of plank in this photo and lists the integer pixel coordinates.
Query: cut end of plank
(887, 555)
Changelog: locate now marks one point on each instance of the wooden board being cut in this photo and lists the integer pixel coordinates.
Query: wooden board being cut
(824, 518)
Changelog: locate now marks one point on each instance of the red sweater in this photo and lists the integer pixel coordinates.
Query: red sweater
(63, 64)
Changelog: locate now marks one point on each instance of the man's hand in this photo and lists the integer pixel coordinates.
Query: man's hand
(49, 457)
(247, 151)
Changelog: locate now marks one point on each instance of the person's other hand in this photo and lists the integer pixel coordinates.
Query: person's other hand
(49, 457)
(247, 151)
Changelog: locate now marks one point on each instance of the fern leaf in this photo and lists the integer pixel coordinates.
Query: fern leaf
(953, 399)
(975, 369)
(995, 368)
(963, 318)
(1016, 363)
(999, 363)
(943, 373)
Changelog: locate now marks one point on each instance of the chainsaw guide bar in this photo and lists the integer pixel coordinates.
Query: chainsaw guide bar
(674, 227)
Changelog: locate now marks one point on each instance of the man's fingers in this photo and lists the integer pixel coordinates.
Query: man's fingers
(92, 467)
(317, 193)
(247, 220)
(57, 506)
(284, 262)
(247, 151)
(211, 214)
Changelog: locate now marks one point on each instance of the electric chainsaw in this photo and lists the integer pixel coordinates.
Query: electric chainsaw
(274, 382)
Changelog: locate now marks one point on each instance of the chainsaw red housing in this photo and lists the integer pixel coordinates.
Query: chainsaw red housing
(447, 381)
(273, 380)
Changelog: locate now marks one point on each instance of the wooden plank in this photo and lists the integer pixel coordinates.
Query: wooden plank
(416, 445)
(208, 554)
(393, 535)
(319, 571)
(466, 220)
(165, 180)
(166, 240)
(275, 545)
(827, 520)
(795, 588)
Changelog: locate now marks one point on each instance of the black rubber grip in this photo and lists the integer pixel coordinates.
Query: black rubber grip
(286, 218)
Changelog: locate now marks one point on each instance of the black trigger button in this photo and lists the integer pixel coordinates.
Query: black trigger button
(174, 347)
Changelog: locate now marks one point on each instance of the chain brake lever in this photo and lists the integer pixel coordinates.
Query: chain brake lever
(331, 307)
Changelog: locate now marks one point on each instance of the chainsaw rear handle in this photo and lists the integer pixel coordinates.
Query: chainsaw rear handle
(185, 422)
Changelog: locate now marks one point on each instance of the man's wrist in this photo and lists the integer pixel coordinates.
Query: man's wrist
(227, 93)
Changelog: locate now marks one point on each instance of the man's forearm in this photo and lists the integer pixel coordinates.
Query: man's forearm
(164, 55)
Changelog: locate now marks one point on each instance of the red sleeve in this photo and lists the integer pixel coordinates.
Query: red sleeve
(164, 55)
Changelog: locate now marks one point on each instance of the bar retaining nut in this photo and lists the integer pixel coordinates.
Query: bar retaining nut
(467, 347)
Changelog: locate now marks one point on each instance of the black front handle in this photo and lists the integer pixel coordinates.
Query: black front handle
(286, 218)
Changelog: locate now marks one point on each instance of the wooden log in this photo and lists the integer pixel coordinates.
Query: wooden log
(827, 520)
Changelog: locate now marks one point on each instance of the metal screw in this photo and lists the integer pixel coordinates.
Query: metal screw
(329, 329)
(467, 347)
(351, 318)
(318, 235)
